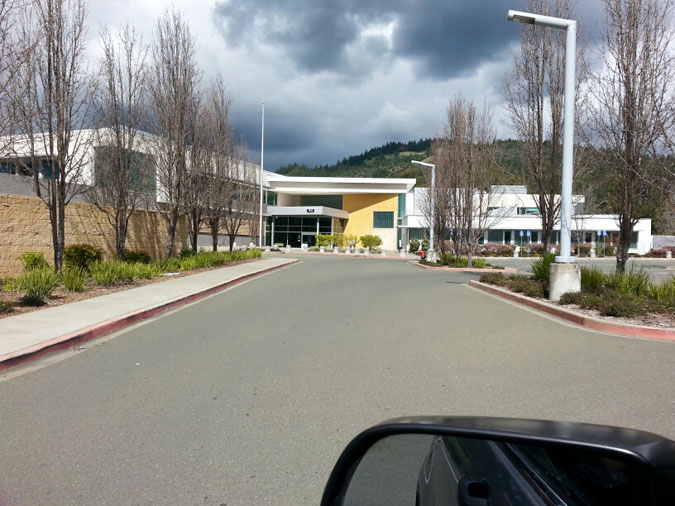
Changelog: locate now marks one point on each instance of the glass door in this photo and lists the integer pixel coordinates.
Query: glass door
(309, 238)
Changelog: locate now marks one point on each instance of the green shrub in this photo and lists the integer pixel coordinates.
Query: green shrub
(11, 285)
(450, 260)
(584, 249)
(540, 268)
(371, 241)
(324, 240)
(33, 260)
(625, 306)
(81, 255)
(132, 257)
(478, 263)
(5, 307)
(414, 245)
(36, 284)
(186, 253)
(629, 283)
(592, 279)
(74, 278)
(582, 299)
(339, 240)
(168, 265)
(111, 272)
(527, 286)
(494, 278)
(140, 270)
(664, 291)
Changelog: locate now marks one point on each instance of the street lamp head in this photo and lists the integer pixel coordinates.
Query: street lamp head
(520, 17)
(537, 19)
(423, 163)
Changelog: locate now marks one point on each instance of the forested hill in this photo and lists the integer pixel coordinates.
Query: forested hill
(394, 160)
(389, 160)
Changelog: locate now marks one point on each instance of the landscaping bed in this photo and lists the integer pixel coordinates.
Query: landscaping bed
(629, 297)
(448, 260)
(39, 287)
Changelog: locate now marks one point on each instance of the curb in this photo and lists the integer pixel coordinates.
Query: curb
(462, 269)
(578, 318)
(39, 350)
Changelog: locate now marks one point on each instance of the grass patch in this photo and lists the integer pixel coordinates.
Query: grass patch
(5, 307)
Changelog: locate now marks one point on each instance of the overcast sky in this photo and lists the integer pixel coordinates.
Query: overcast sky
(341, 76)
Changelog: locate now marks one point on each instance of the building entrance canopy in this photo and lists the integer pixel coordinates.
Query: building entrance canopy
(307, 211)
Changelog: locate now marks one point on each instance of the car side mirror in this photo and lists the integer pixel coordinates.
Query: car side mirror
(473, 461)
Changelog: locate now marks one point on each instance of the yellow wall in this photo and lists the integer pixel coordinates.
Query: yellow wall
(24, 226)
(361, 207)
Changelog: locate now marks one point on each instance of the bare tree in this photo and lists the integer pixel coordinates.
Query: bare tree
(9, 44)
(51, 101)
(465, 161)
(239, 194)
(534, 99)
(124, 177)
(175, 104)
(632, 109)
(223, 145)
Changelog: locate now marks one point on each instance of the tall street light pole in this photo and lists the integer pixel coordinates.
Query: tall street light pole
(431, 254)
(565, 277)
(262, 169)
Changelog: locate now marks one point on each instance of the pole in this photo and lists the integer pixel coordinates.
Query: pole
(262, 169)
(568, 146)
(433, 208)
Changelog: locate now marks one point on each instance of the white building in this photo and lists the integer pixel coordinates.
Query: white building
(515, 220)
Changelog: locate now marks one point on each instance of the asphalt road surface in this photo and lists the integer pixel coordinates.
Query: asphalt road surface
(248, 397)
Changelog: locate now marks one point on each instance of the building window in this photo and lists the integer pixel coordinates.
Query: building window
(528, 210)
(139, 168)
(495, 236)
(383, 219)
(416, 233)
(401, 205)
(634, 240)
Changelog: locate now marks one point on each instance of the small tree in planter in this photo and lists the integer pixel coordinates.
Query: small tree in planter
(323, 240)
(371, 241)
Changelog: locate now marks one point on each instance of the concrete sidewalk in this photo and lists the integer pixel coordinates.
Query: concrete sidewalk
(31, 333)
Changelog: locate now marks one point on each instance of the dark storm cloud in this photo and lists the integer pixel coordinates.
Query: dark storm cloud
(315, 34)
(445, 38)
(287, 132)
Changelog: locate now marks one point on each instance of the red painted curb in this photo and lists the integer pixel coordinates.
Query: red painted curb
(462, 269)
(578, 318)
(100, 329)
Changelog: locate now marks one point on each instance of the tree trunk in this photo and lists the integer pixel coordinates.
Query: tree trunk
(214, 225)
(625, 235)
(121, 235)
(60, 235)
(171, 234)
(195, 218)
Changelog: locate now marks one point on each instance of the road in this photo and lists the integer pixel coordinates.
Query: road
(248, 397)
